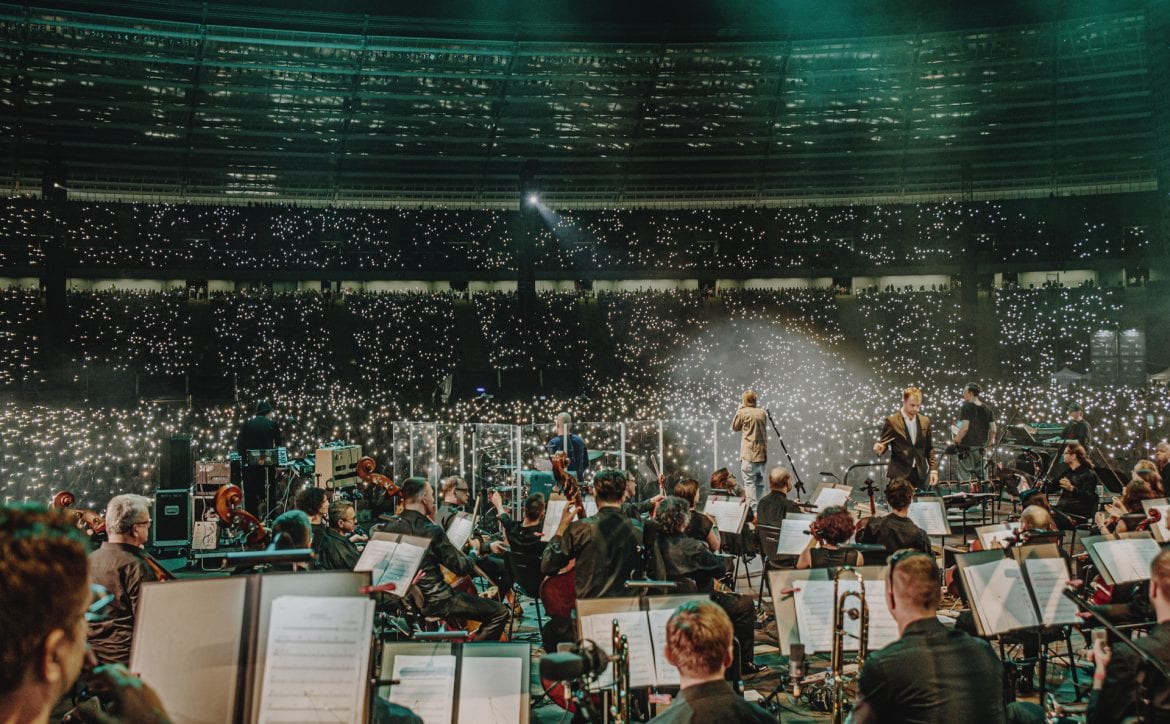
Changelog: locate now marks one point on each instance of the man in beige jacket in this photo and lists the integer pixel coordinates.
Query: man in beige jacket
(752, 422)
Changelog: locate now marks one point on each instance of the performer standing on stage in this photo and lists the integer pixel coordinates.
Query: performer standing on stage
(976, 430)
(571, 444)
(906, 434)
(752, 422)
(1077, 428)
(259, 433)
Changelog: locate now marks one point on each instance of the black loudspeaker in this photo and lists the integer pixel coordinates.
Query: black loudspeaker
(172, 518)
(177, 468)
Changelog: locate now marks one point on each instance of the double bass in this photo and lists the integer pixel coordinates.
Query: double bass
(229, 500)
(558, 591)
(90, 522)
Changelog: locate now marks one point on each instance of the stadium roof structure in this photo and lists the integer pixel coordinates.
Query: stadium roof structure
(608, 104)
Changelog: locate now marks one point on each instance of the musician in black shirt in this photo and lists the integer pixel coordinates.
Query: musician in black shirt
(896, 531)
(975, 430)
(1078, 498)
(775, 506)
(1077, 428)
(439, 599)
(259, 433)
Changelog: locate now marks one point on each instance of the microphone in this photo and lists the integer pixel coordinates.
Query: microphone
(254, 558)
(796, 667)
(584, 660)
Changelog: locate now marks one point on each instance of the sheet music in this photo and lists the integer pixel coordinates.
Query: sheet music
(999, 596)
(459, 530)
(793, 536)
(727, 512)
(1129, 559)
(929, 516)
(553, 511)
(993, 539)
(635, 626)
(489, 690)
(831, 496)
(390, 562)
(318, 659)
(814, 615)
(426, 684)
(667, 673)
(1049, 578)
(883, 629)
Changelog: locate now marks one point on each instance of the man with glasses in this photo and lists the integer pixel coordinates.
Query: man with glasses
(46, 599)
(932, 673)
(121, 566)
(336, 551)
(456, 494)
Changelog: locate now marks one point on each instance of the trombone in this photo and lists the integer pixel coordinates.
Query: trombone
(860, 611)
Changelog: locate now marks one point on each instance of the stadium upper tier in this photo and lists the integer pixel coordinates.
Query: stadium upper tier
(195, 240)
(126, 104)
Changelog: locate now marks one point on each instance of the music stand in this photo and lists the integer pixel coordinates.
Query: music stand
(266, 458)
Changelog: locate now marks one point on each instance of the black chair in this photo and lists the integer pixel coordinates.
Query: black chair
(524, 562)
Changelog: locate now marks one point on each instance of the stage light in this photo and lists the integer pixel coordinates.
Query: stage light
(533, 199)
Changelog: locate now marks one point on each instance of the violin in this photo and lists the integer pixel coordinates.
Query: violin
(366, 468)
(87, 520)
(228, 501)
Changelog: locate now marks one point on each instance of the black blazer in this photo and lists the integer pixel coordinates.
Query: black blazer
(911, 461)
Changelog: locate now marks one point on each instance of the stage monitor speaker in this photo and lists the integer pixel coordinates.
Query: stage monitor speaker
(172, 518)
(177, 467)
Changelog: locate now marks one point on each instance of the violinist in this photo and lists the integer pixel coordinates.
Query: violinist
(701, 526)
(1124, 513)
(833, 527)
(122, 565)
(896, 531)
(335, 550)
(1147, 470)
(685, 557)
(46, 599)
(631, 505)
(456, 497)
(1117, 695)
(1078, 485)
(439, 599)
(456, 494)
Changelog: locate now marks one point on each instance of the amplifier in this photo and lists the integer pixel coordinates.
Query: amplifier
(172, 518)
(337, 466)
(212, 474)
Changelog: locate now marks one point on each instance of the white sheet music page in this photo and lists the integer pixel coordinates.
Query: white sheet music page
(831, 496)
(1129, 559)
(374, 553)
(552, 517)
(793, 536)
(1000, 596)
(1049, 577)
(490, 690)
(814, 614)
(634, 626)
(727, 512)
(318, 659)
(990, 540)
(459, 530)
(883, 629)
(425, 686)
(667, 673)
(929, 516)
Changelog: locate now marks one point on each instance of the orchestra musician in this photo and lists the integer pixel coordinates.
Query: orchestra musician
(1147, 470)
(752, 423)
(931, 674)
(456, 496)
(775, 506)
(701, 526)
(685, 557)
(571, 444)
(336, 550)
(895, 531)
(1120, 676)
(907, 435)
(46, 598)
(314, 502)
(833, 527)
(1077, 428)
(121, 566)
(1078, 497)
(1162, 457)
(259, 433)
(439, 599)
(605, 549)
(698, 644)
(1124, 513)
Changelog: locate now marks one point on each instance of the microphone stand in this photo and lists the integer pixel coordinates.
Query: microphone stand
(799, 487)
(1147, 659)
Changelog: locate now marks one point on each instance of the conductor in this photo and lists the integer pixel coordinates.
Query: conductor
(906, 434)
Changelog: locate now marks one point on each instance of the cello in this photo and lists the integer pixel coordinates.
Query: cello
(228, 501)
(558, 592)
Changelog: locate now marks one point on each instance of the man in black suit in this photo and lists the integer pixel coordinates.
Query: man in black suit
(259, 433)
(906, 434)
